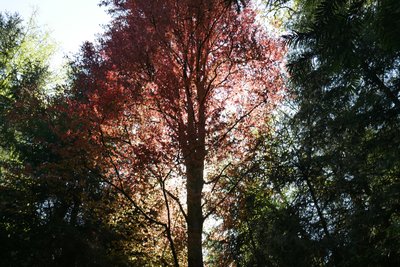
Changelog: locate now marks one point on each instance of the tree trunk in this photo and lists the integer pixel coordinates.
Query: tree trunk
(194, 214)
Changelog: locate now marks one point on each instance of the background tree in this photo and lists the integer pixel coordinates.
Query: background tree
(51, 208)
(176, 96)
(329, 184)
(348, 120)
(21, 69)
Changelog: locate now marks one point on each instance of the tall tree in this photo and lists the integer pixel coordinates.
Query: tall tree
(345, 74)
(335, 170)
(51, 208)
(177, 93)
(22, 72)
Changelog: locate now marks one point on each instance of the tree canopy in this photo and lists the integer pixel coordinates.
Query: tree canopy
(176, 95)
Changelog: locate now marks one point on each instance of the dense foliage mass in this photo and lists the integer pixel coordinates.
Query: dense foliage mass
(176, 140)
(51, 209)
(326, 189)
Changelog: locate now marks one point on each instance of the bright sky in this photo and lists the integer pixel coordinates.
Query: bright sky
(70, 22)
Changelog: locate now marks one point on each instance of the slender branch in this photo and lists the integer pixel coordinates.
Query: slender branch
(121, 190)
(178, 202)
(175, 198)
(375, 79)
(234, 186)
(237, 122)
(215, 179)
(168, 229)
(129, 198)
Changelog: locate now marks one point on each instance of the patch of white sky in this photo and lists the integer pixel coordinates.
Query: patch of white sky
(69, 22)
(274, 15)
